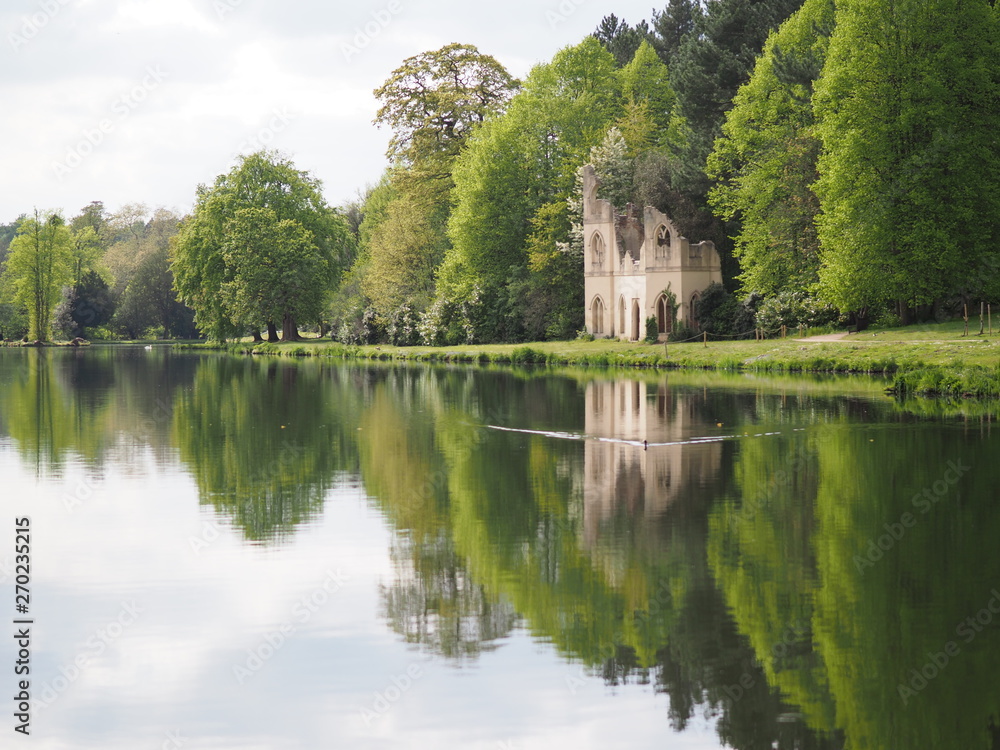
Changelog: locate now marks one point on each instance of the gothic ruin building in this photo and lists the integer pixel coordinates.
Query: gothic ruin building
(639, 266)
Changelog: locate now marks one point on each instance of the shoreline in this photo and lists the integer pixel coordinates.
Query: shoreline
(967, 367)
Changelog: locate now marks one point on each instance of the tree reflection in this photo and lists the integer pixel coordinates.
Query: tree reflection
(434, 603)
(261, 443)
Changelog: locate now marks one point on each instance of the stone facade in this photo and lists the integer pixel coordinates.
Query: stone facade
(636, 266)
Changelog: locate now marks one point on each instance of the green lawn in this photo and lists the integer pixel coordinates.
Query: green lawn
(960, 365)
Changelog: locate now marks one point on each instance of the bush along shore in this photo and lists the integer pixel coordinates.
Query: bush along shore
(937, 360)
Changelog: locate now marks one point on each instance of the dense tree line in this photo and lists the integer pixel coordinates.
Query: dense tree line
(98, 275)
(839, 154)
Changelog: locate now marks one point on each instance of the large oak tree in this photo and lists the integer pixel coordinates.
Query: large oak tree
(262, 247)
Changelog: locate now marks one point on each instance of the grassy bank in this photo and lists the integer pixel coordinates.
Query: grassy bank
(928, 360)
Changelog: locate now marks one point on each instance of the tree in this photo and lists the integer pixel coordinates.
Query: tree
(89, 304)
(765, 160)
(277, 271)
(216, 250)
(908, 105)
(620, 39)
(649, 98)
(404, 251)
(433, 100)
(672, 25)
(39, 264)
(513, 165)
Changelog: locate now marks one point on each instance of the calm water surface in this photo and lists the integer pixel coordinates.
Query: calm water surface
(247, 553)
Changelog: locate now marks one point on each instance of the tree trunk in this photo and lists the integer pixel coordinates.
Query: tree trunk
(272, 332)
(289, 329)
(257, 338)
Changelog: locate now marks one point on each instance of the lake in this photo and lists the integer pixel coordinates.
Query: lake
(262, 553)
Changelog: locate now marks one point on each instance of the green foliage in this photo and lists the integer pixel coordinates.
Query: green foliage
(146, 298)
(646, 83)
(907, 104)
(652, 331)
(794, 308)
(89, 304)
(620, 39)
(39, 264)
(403, 253)
(13, 321)
(711, 63)
(765, 161)
(264, 233)
(433, 100)
(512, 166)
(720, 313)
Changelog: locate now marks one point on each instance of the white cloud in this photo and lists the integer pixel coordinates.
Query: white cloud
(228, 70)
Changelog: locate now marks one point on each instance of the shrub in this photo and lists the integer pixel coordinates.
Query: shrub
(525, 355)
(794, 309)
(652, 332)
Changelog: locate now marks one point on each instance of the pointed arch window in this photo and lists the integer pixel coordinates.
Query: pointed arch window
(597, 252)
(662, 249)
(664, 315)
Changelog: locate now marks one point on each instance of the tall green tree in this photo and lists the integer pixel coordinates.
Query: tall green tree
(39, 264)
(433, 100)
(512, 166)
(908, 105)
(765, 160)
(308, 234)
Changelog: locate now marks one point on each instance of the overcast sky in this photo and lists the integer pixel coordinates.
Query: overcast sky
(129, 101)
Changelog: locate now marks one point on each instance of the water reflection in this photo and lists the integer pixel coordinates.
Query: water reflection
(797, 563)
(648, 447)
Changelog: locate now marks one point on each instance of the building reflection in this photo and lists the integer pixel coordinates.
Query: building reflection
(645, 450)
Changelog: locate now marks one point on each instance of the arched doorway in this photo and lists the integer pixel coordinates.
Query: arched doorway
(621, 316)
(597, 317)
(664, 315)
(635, 320)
